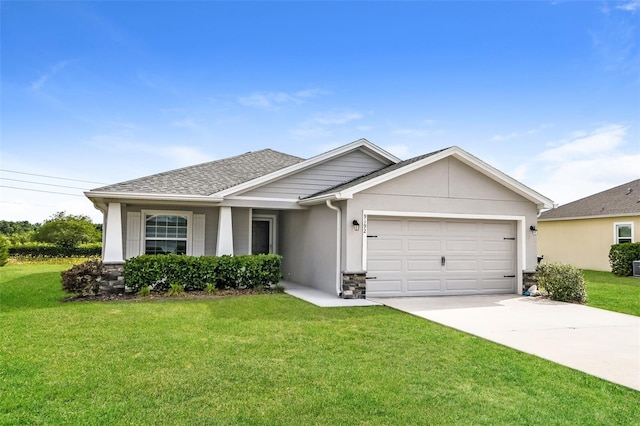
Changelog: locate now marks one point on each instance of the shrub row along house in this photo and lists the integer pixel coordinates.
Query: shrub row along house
(581, 233)
(352, 221)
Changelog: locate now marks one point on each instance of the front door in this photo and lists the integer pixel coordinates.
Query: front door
(262, 235)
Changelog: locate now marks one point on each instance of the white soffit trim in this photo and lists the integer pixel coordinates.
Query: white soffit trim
(456, 152)
(374, 151)
(149, 197)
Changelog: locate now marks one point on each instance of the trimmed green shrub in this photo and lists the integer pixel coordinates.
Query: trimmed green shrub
(564, 283)
(83, 279)
(41, 250)
(158, 272)
(621, 257)
(4, 250)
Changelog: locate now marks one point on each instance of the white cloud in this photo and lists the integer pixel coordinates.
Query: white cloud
(582, 165)
(632, 6)
(601, 140)
(336, 117)
(521, 134)
(42, 80)
(271, 100)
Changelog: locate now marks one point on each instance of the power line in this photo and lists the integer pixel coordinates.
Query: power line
(42, 183)
(52, 177)
(40, 190)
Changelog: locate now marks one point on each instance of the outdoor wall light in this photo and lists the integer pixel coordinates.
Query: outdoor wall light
(356, 225)
(533, 229)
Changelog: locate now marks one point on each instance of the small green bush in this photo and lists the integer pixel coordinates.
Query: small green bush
(83, 279)
(564, 283)
(4, 250)
(621, 257)
(175, 290)
(196, 273)
(144, 291)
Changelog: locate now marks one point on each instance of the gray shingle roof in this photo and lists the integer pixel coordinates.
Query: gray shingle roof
(372, 175)
(618, 201)
(208, 178)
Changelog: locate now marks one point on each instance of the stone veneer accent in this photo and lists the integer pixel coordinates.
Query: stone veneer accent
(112, 279)
(528, 279)
(354, 285)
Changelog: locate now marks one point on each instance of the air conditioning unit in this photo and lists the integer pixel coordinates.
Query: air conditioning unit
(636, 268)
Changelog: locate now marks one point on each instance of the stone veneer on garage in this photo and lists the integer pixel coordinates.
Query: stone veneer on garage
(354, 285)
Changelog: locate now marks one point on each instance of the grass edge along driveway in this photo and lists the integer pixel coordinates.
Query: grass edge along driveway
(268, 359)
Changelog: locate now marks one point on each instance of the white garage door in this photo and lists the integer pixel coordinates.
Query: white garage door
(429, 257)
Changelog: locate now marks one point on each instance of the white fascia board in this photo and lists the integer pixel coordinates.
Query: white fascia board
(334, 196)
(321, 158)
(93, 195)
(604, 216)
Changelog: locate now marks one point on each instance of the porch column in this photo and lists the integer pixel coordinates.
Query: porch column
(112, 251)
(225, 232)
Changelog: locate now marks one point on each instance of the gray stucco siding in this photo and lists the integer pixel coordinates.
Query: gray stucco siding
(308, 247)
(319, 177)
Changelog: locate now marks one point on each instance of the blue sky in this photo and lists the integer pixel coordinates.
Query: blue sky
(548, 92)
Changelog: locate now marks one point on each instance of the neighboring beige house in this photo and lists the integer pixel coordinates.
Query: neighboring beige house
(582, 232)
(352, 221)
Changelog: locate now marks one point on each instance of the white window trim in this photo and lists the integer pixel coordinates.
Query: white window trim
(272, 219)
(143, 226)
(615, 231)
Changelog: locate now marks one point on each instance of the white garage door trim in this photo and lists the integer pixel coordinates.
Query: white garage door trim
(520, 232)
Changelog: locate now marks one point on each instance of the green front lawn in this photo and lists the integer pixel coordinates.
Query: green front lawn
(268, 359)
(607, 291)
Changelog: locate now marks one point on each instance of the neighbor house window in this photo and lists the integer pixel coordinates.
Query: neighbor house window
(623, 233)
(166, 233)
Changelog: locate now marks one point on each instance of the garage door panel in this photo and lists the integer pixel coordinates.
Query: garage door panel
(424, 246)
(500, 265)
(424, 227)
(469, 246)
(393, 266)
(462, 265)
(406, 255)
(426, 265)
(502, 284)
(385, 244)
(384, 286)
(433, 286)
(461, 284)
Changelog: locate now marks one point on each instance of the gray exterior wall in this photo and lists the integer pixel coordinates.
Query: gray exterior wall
(308, 246)
(241, 222)
(319, 177)
(445, 187)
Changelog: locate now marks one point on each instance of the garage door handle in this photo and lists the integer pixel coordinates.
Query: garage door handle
(509, 276)
(371, 278)
(443, 261)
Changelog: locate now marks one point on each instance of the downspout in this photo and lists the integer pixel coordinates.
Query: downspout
(338, 244)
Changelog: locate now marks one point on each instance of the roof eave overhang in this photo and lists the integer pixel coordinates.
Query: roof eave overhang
(334, 196)
(96, 196)
(601, 216)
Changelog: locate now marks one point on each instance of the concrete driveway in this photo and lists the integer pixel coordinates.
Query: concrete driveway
(602, 343)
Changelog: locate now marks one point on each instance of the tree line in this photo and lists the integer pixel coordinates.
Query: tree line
(61, 229)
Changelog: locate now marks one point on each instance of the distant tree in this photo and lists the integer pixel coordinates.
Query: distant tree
(67, 230)
(4, 250)
(8, 227)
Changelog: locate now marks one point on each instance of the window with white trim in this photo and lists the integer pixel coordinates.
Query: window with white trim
(166, 232)
(623, 233)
